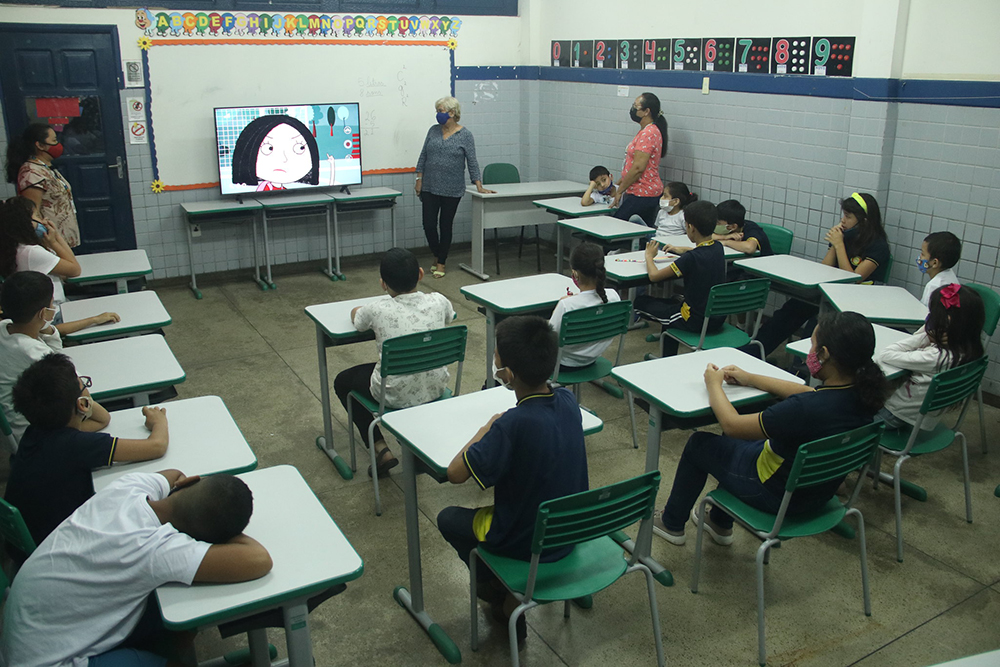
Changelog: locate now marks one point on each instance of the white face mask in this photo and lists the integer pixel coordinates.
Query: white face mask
(665, 204)
(503, 383)
(86, 407)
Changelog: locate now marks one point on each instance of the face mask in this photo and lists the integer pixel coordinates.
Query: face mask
(607, 190)
(85, 406)
(813, 364)
(923, 264)
(633, 114)
(54, 151)
(48, 322)
(39, 230)
(503, 383)
(665, 204)
(442, 117)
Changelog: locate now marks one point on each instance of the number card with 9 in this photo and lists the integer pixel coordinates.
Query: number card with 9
(753, 54)
(687, 54)
(790, 55)
(583, 53)
(560, 53)
(606, 53)
(717, 54)
(630, 53)
(832, 56)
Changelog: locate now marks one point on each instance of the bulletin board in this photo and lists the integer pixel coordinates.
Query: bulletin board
(396, 84)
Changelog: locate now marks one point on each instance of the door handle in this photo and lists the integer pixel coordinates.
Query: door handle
(119, 165)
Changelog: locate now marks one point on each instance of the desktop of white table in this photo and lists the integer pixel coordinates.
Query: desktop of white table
(127, 367)
(884, 337)
(112, 267)
(796, 276)
(570, 207)
(140, 312)
(604, 227)
(884, 304)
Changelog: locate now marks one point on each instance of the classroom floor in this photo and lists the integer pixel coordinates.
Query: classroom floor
(257, 351)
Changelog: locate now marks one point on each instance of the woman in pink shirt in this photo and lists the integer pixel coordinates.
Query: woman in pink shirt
(640, 188)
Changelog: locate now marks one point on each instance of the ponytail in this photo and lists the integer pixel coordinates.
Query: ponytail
(872, 386)
(22, 148)
(588, 259)
(850, 339)
(681, 192)
(652, 102)
(956, 328)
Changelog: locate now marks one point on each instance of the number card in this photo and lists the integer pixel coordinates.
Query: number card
(560, 54)
(832, 56)
(630, 53)
(583, 53)
(717, 54)
(687, 54)
(790, 55)
(663, 58)
(753, 54)
(649, 53)
(606, 54)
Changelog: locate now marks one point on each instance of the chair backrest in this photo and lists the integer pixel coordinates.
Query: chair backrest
(888, 270)
(500, 172)
(833, 457)
(586, 516)
(423, 351)
(954, 386)
(779, 237)
(737, 297)
(13, 529)
(598, 322)
(991, 303)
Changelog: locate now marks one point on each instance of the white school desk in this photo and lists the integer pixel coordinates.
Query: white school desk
(602, 227)
(127, 367)
(879, 303)
(884, 337)
(361, 199)
(310, 555)
(796, 276)
(309, 203)
(204, 440)
(515, 296)
(989, 659)
(240, 209)
(334, 327)
(570, 207)
(140, 312)
(112, 267)
(510, 206)
(675, 386)
(418, 431)
(682, 241)
(628, 269)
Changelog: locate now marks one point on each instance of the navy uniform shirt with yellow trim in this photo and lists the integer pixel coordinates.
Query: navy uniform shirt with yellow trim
(877, 252)
(702, 268)
(802, 418)
(751, 230)
(50, 474)
(534, 452)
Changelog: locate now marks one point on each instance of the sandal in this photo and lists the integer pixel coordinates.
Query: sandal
(384, 466)
(438, 274)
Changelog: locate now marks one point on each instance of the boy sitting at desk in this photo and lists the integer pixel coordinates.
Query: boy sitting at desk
(741, 234)
(531, 453)
(407, 312)
(601, 189)
(50, 474)
(939, 252)
(702, 267)
(82, 598)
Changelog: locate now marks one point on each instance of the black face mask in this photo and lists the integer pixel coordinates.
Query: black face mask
(634, 115)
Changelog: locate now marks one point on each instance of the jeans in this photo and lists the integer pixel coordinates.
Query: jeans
(731, 461)
(645, 207)
(892, 422)
(434, 206)
(358, 378)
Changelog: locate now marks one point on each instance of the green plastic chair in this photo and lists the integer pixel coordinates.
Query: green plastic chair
(587, 325)
(406, 355)
(816, 462)
(585, 520)
(726, 299)
(991, 304)
(948, 388)
(13, 530)
(779, 237)
(7, 432)
(499, 173)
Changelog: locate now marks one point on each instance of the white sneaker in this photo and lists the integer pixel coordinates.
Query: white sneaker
(676, 539)
(719, 537)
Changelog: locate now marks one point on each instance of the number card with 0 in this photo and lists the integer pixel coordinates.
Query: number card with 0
(790, 55)
(583, 53)
(606, 53)
(832, 56)
(753, 54)
(686, 54)
(717, 54)
(560, 53)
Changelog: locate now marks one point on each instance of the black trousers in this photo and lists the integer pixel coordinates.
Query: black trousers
(357, 378)
(455, 524)
(645, 207)
(435, 207)
(785, 321)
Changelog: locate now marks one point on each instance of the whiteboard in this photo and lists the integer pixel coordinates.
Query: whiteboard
(396, 86)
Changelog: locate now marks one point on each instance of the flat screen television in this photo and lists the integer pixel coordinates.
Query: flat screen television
(288, 147)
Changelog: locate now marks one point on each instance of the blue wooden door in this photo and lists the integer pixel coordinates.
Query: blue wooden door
(68, 77)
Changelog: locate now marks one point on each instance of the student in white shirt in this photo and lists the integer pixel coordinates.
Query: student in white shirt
(939, 252)
(587, 264)
(84, 590)
(950, 338)
(670, 220)
(601, 189)
(408, 311)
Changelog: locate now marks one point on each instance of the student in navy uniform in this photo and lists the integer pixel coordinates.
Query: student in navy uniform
(857, 244)
(702, 267)
(752, 458)
(741, 234)
(50, 474)
(531, 453)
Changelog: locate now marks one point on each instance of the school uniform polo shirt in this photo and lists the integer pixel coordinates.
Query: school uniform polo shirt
(751, 230)
(702, 268)
(533, 453)
(799, 419)
(50, 474)
(877, 252)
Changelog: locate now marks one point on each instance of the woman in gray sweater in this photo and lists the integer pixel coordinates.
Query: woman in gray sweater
(448, 147)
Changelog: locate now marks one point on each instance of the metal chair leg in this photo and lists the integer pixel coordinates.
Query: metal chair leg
(653, 611)
(897, 493)
(631, 414)
(761, 648)
(566, 608)
(374, 458)
(473, 558)
(496, 248)
(982, 420)
(865, 588)
(350, 432)
(965, 472)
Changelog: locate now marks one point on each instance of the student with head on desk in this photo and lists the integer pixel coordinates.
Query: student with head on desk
(857, 243)
(82, 598)
(752, 458)
(531, 453)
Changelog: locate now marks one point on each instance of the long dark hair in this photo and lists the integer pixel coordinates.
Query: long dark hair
(652, 102)
(850, 339)
(588, 259)
(678, 190)
(17, 227)
(869, 222)
(253, 135)
(957, 329)
(21, 149)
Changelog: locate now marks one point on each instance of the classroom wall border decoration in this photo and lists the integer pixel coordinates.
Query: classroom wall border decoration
(817, 56)
(395, 93)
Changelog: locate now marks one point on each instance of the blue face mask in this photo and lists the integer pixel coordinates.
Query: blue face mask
(442, 117)
(923, 264)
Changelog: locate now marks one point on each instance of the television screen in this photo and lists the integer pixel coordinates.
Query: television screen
(270, 148)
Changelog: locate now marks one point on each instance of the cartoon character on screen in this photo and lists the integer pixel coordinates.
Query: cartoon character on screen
(273, 151)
